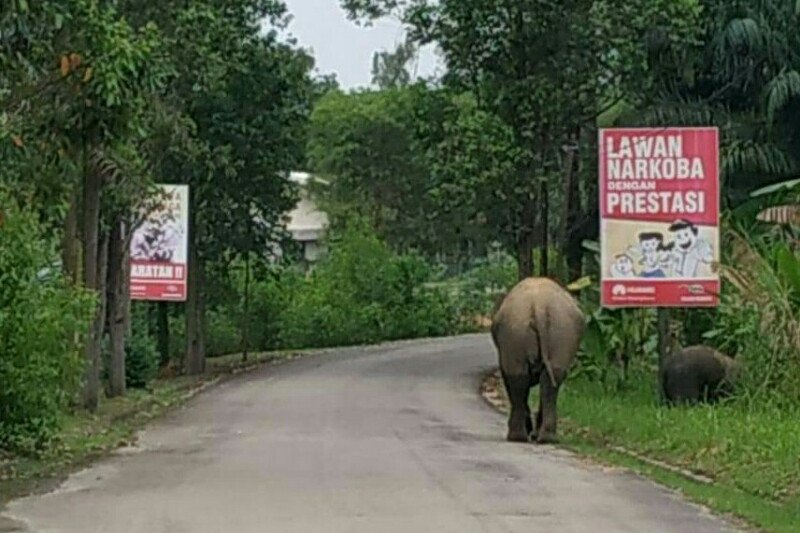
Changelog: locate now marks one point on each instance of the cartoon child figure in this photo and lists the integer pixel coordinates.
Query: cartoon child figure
(622, 267)
(666, 258)
(649, 245)
(690, 249)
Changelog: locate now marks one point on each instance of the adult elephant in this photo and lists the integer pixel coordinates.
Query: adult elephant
(537, 329)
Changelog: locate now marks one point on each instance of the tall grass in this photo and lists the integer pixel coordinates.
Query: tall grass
(759, 321)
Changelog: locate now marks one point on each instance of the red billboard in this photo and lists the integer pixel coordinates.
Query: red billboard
(159, 248)
(659, 217)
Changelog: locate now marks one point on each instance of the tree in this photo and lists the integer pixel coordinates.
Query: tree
(125, 67)
(365, 144)
(244, 98)
(390, 69)
(472, 163)
(545, 68)
(744, 76)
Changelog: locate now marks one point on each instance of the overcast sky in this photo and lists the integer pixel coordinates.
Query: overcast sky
(341, 47)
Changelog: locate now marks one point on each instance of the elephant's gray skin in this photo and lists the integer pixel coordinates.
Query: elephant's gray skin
(537, 330)
(697, 374)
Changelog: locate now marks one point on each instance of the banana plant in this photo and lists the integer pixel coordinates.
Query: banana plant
(612, 338)
(787, 215)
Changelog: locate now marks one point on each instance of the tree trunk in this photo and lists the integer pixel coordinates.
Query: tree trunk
(195, 308)
(162, 321)
(118, 307)
(544, 255)
(94, 280)
(571, 237)
(246, 311)
(591, 218)
(526, 239)
(71, 243)
(664, 336)
(95, 341)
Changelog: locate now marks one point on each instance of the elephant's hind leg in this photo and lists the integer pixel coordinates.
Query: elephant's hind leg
(546, 418)
(520, 425)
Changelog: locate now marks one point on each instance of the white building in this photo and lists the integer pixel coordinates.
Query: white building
(307, 223)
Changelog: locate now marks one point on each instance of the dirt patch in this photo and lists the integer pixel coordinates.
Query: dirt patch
(7, 525)
(493, 391)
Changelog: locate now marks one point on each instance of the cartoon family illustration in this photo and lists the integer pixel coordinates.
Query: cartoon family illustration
(684, 257)
(160, 236)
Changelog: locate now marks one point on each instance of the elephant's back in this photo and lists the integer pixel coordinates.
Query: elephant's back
(699, 360)
(530, 295)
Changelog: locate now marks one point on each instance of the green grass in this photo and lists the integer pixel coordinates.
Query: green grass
(85, 436)
(752, 454)
(754, 450)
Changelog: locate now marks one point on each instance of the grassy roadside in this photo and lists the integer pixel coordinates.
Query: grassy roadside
(85, 437)
(736, 461)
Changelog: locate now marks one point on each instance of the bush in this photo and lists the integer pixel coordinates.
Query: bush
(42, 320)
(759, 320)
(482, 285)
(270, 296)
(141, 352)
(363, 293)
(223, 333)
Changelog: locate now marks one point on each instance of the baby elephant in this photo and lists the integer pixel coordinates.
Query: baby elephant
(696, 374)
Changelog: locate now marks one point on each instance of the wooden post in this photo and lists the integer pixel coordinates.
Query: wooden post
(162, 335)
(664, 336)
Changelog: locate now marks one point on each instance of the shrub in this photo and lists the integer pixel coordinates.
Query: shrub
(141, 352)
(272, 289)
(759, 320)
(364, 293)
(484, 283)
(177, 337)
(42, 321)
(223, 333)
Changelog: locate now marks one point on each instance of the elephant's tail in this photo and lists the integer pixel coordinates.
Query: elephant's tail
(541, 327)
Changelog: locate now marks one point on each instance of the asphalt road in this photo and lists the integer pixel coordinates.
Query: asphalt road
(388, 439)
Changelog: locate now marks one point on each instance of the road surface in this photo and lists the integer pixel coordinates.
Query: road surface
(387, 439)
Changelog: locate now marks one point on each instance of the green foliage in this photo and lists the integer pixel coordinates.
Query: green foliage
(41, 322)
(141, 363)
(743, 77)
(473, 173)
(141, 352)
(271, 295)
(389, 69)
(759, 319)
(748, 448)
(616, 341)
(364, 293)
(483, 285)
(365, 145)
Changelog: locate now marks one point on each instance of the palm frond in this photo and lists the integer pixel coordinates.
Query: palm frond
(784, 88)
(740, 35)
(775, 187)
(751, 157)
(675, 113)
(780, 214)
(107, 163)
(740, 281)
